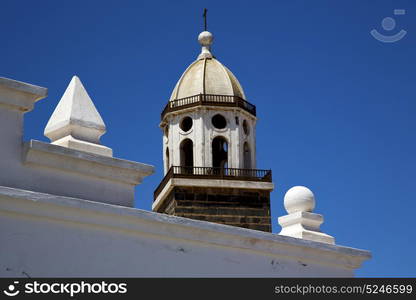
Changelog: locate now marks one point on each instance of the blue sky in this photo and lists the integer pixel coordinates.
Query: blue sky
(336, 107)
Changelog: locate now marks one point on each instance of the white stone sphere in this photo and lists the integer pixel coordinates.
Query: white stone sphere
(205, 38)
(299, 198)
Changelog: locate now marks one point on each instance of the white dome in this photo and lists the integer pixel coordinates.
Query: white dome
(207, 75)
(299, 198)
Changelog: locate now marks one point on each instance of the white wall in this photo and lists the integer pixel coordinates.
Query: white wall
(16, 98)
(53, 181)
(48, 236)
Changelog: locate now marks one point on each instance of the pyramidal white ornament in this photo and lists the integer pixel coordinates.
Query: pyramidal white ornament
(76, 123)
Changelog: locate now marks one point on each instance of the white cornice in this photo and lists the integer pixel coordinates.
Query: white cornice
(42, 154)
(135, 221)
(20, 95)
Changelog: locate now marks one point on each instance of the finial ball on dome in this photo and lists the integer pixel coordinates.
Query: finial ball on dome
(299, 198)
(205, 38)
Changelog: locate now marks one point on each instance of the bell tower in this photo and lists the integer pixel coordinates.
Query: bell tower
(209, 149)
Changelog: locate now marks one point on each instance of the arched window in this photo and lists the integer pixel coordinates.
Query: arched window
(219, 152)
(187, 153)
(167, 161)
(247, 156)
(246, 128)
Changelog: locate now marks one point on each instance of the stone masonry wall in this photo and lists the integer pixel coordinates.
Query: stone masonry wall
(236, 207)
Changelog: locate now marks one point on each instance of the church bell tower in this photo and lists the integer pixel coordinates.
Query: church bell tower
(209, 149)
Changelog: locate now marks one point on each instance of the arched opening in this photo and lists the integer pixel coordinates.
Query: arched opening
(187, 155)
(219, 121)
(246, 128)
(247, 156)
(219, 153)
(186, 124)
(167, 160)
(166, 131)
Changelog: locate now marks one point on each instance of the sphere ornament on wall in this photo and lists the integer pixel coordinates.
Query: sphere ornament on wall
(299, 198)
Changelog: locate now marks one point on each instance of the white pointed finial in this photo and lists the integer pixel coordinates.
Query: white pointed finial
(76, 123)
(301, 222)
(205, 38)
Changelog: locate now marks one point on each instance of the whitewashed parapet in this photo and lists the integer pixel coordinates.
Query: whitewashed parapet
(42, 154)
(19, 95)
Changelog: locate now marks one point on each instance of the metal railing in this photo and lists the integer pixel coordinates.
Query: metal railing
(208, 99)
(214, 173)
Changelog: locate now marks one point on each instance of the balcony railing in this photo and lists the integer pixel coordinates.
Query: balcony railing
(214, 173)
(207, 99)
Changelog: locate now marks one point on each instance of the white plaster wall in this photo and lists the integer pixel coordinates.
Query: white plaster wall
(49, 236)
(203, 132)
(11, 132)
(53, 249)
(14, 173)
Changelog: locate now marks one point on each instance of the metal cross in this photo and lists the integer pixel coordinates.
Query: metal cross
(205, 19)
